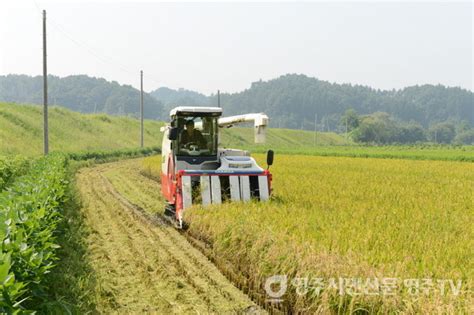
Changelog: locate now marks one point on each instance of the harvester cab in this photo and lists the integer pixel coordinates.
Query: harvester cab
(194, 168)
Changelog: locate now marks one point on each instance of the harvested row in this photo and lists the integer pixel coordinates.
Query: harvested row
(146, 266)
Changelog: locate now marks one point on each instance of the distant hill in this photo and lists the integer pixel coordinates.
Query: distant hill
(21, 132)
(172, 98)
(296, 101)
(292, 101)
(80, 93)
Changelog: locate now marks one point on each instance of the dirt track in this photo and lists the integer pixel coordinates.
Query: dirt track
(142, 265)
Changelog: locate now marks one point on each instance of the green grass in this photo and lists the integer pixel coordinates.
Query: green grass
(280, 139)
(71, 282)
(21, 131)
(301, 142)
(414, 152)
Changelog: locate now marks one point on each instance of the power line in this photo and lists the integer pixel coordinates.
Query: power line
(91, 51)
(100, 56)
(85, 46)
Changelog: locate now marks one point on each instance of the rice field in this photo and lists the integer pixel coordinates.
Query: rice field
(334, 218)
(388, 233)
(340, 235)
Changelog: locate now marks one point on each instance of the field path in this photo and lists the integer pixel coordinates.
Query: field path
(141, 264)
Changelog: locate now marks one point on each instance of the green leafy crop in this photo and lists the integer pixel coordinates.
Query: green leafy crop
(29, 213)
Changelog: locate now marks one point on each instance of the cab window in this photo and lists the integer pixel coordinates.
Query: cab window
(197, 135)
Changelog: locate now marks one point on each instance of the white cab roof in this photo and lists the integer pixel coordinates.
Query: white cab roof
(194, 109)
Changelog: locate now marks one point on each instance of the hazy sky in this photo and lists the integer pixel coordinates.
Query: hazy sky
(210, 46)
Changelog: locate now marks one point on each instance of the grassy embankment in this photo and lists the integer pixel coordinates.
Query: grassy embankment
(21, 131)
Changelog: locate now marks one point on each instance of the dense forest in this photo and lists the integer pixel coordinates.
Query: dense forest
(414, 114)
(80, 93)
(296, 101)
(425, 104)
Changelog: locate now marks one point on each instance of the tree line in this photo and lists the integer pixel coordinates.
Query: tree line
(80, 93)
(382, 128)
(293, 101)
(414, 114)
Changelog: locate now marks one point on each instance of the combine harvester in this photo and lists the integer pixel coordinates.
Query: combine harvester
(195, 170)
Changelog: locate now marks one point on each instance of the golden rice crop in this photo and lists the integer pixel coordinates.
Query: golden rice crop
(152, 167)
(333, 218)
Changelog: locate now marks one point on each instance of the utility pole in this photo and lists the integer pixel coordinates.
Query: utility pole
(219, 98)
(346, 127)
(45, 90)
(141, 108)
(315, 122)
